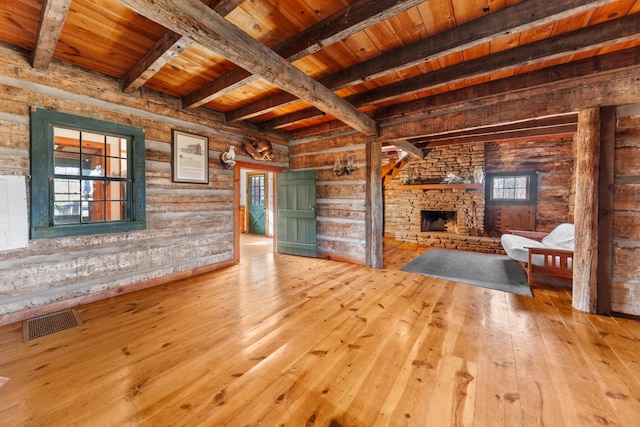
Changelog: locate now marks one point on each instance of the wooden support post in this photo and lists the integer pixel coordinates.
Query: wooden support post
(374, 205)
(605, 218)
(236, 213)
(585, 269)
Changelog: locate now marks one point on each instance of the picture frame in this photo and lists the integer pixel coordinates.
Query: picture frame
(189, 158)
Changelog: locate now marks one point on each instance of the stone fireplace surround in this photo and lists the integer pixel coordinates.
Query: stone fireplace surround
(404, 203)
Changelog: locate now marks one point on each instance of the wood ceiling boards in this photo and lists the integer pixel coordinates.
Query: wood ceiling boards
(294, 67)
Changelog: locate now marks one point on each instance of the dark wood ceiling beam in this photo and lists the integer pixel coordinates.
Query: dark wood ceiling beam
(570, 120)
(465, 98)
(604, 34)
(519, 17)
(594, 37)
(225, 7)
(561, 131)
(547, 126)
(540, 78)
(262, 106)
(292, 119)
(342, 24)
(197, 21)
(409, 148)
(165, 50)
(52, 17)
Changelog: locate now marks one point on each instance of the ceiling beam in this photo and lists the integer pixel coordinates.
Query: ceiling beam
(409, 148)
(547, 126)
(552, 75)
(342, 24)
(595, 37)
(598, 36)
(164, 50)
(52, 17)
(514, 19)
(195, 20)
(469, 97)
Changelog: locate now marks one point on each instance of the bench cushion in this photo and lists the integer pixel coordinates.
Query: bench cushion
(561, 237)
(516, 246)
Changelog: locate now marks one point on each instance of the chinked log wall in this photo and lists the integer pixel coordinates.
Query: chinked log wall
(189, 226)
(340, 200)
(552, 159)
(625, 290)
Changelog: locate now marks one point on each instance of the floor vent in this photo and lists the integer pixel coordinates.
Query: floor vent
(49, 324)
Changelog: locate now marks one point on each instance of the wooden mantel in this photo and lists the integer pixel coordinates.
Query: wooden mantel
(466, 187)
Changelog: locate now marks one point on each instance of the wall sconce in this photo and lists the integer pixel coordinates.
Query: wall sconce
(346, 169)
(228, 159)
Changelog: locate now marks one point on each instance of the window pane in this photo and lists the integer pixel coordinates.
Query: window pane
(66, 140)
(95, 211)
(66, 163)
(115, 210)
(509, 182)
(66, 202)
(497, 193)
(522, 182)
(521, 194)
(509, 193)
(69, 188)
(116, 147)
(498, 183)
(92, 165)
(116, 190)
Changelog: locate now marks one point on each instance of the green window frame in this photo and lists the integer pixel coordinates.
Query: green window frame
(511, 188)
(63, 202)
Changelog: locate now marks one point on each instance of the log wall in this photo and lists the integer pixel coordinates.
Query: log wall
(625, 292)
(552, 159)
(189, 226)
(340, 200)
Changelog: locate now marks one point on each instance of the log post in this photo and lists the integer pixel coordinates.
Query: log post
(374, 205)
(606, 200)
(585, 269)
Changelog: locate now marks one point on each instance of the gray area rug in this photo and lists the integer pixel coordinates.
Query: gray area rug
(491, 271)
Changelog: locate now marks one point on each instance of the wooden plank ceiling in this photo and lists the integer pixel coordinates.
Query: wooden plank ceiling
(294, 66)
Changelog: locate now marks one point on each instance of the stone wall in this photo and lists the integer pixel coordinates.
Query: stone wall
(403, 202)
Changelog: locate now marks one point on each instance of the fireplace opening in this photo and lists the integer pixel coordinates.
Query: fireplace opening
(438, 221)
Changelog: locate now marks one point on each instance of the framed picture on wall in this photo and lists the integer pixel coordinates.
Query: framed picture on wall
(190, 158)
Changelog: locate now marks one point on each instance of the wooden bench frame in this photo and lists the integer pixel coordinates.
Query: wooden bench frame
(557, 262)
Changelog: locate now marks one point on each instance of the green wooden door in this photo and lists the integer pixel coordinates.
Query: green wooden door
(297, 213)
(256, 203)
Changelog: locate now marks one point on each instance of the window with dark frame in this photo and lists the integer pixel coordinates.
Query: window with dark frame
(87, 176)
(511, 188)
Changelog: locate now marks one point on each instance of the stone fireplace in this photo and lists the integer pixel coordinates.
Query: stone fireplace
(456, 220)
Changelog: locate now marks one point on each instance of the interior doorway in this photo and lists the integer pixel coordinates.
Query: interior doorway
(256, 199)
(254, 208)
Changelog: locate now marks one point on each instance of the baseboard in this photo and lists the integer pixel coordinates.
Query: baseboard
(341, 258)
(29, 313)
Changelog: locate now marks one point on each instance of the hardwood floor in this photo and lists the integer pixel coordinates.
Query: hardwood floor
(283, 340)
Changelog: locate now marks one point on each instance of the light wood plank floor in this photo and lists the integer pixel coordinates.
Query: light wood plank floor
(283, 340)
